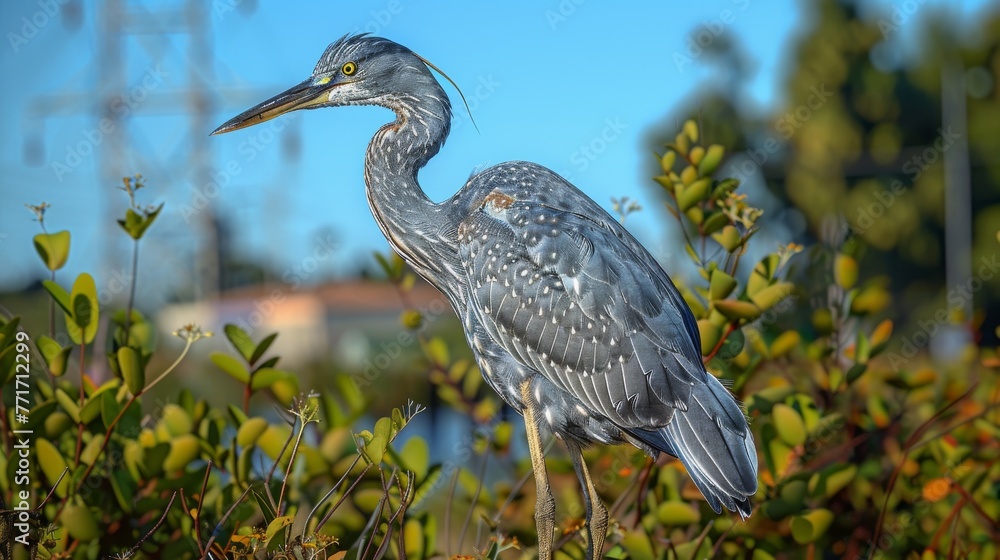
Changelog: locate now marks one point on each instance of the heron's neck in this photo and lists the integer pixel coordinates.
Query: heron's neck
(416, 227)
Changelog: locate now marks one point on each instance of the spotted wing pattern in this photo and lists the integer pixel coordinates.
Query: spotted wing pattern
(577, 300)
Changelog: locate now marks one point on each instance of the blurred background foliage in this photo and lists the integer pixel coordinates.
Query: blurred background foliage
(817, 260)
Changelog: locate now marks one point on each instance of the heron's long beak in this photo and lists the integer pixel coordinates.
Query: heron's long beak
(302, 96)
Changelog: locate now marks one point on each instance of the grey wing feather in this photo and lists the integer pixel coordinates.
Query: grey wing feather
(567, 292)
(573, 296)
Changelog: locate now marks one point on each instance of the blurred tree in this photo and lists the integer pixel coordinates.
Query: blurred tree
(863, 134)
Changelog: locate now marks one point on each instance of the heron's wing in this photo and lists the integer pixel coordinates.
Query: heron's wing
(567, 291)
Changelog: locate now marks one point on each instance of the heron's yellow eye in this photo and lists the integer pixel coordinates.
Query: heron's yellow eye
(349, 68)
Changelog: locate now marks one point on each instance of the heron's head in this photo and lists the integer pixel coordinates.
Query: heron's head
(354, 70)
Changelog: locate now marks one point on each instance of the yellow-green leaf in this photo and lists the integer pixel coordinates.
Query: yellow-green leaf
(250, 431)
(68, 404)
(53, 248)
(721, 285)
(56, 357)
(277, 524)
(696, 154)
(729, 238)
(176, 420)
(131, 368)
(785, 343)
(691, 129)
(845, 271)
(667, 161)
(693, 194)
(735, 310)
(52, 464)
(183, 450)
(788, 424)
(710, 335)
(771, 295)
(812, 525)
(230, 365)
(677, 513)
(710, 162)
(84, 319)
(79, 521)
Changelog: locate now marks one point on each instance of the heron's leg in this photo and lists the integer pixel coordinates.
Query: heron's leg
(597, 514)
(545, 505)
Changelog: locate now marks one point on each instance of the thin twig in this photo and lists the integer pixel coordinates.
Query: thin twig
(347, 493)
(475, 496)
(131, 292)
(163, 517)
(907, 447)
(218, 526)
(201, 501)
(327, 496)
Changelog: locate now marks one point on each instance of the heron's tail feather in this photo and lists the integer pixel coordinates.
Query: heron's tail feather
(713, 441)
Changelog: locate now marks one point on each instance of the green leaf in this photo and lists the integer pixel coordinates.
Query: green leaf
(714, 222)
(812, 525)
(862, 349)
(438, 351)
(845, 271)
(124, 488)
(788, 424)
(262, 347)
(735, 310)
(135, 224)
(131, 368)
(772, 295)
(265, 377)
(51, 461)
(241, 341)
(416, 456)
(413, 540)
(710, 161)
(262, 502)
(230, 365)
(55, 356)
(183, 449)
(53, 248)
(721, 284)
(79, 521)
(250, 431)
(693, 194)
(84, 318)
(8, 333)
(729, 238)
(677, 514)
(277, 524)
(59, 295)
(855, 372)
(68, 404)
(732, 345)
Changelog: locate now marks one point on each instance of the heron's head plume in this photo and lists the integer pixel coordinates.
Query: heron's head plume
(354, 70)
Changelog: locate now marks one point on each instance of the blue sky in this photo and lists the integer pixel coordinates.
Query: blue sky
(544, 79)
